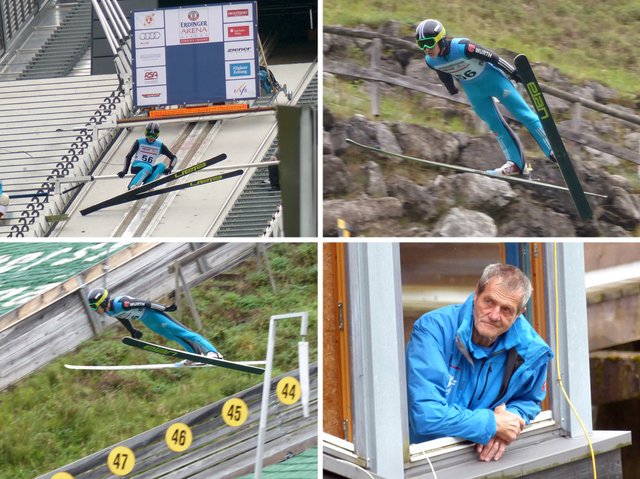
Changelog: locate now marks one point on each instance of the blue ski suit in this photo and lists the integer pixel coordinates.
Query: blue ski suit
(482, 74)
(453, 385)
(153, 316)
(145, 165)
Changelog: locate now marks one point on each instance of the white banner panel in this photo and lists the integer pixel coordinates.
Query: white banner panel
(238, 89)
(150, 57)
(155, 95)
(193, 25)
(149, 38)
(151, 76)
(238, 12)
(149, 19)
(239, 50)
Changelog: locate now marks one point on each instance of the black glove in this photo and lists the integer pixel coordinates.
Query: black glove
(167, 171)
(121, 174)
(453, 91)
(171, 308)
(515, 76)
(136, 334)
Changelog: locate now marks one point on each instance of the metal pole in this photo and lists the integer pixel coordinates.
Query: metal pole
(105, 26)
(116, 25)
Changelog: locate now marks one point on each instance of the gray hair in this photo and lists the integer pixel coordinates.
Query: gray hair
(509, 277)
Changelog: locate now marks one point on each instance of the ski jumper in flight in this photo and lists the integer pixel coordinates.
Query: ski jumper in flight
(484, 76)
(145, 152)
(154, 316)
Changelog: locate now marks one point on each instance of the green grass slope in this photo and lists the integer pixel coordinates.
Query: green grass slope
(56, 415)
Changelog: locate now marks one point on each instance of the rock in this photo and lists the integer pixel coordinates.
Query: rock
(623, 209)
(376, 185)
(602, 93)
(385, 138)
(482, 153)
(359, 214)
(549, 74)
(393, 28)
(418, 202)
(481, 193)
(428, 143)
(632, 141)
(463, 223)
(336, 180)
(583, 92)
(327, 146)
(620, 182)
(328, 119)
(602, 159)
(526, 219)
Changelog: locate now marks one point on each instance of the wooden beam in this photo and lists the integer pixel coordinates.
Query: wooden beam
(615, 376)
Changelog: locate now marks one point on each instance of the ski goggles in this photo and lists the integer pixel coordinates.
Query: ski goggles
(149, 134)
(98, 303)
(430, 42)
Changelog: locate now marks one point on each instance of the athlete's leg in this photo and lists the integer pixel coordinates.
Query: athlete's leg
(166, 326)
(519, 108)
(141, 170)
(156, 171)
(485, 108)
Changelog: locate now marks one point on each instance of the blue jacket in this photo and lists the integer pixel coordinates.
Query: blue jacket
(453, 386)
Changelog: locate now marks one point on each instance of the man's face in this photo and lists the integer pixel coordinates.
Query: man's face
(432, 53)
(494, 311)
(101, 309)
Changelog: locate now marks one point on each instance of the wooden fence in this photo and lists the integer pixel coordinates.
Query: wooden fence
(217, 451)
(375, 74)
(59, 320)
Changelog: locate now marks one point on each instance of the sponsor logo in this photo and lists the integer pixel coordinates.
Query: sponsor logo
(149, 20)
(239, 50)
(149, 36)
(151, 95)
(126, 304)
(241, 90)
(238, 31)
(193, 15)
(145, 57)
(149, 347)
(455, 367)
(472, 47)
(152, 75)
(207, 180)
(190, 170)
(538, 101)
(485, 53)
(506, 93)
(452, 382)
(240, 69)
(164, 325)
(544, 386)
(135, 305)
(238, 13)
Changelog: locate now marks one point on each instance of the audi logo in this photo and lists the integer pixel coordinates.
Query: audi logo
(149, 36)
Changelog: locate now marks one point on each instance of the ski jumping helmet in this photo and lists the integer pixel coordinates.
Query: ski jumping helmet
(152, 130)
(430, 33)
(98, 297)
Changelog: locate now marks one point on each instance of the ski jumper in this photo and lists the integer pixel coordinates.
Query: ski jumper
(152, 315)
(144, 163)
(482, 74)
(453, 385)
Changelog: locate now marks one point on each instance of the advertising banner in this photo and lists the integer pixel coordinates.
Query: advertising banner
(199, 54)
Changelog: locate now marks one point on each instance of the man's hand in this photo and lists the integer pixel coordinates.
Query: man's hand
(508, 425)
(515, 76)
(122, 173)
(171, 308)
(136, 334)
(495, 446)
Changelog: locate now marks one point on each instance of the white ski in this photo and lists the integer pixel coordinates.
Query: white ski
(152, 366)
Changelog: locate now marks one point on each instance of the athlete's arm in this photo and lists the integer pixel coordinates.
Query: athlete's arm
(134, 332)
(127, 160)
(446, 79)
(131, 303)
(174, 159)
(473, 50)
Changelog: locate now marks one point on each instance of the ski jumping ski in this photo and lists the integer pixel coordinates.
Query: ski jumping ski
(514, 179)
(134, 367)
(544, 113)
(134, 194)
(223, 363)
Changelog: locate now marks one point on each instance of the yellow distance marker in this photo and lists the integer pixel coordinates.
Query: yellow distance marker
(178, 437)
(288, 390)
(62, 475)
(235, 412)
(121, 460)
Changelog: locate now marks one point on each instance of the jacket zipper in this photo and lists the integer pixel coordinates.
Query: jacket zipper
(485, 383)
(474, 389)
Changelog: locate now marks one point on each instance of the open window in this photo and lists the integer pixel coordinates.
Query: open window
(374, 292)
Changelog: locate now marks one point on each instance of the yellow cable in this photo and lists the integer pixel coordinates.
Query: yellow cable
(593, 456)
